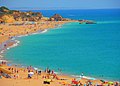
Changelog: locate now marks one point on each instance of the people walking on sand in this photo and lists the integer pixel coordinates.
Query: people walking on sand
(39, 72)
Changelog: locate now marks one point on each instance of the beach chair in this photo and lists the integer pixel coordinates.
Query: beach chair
(47, 81)
(75, 82)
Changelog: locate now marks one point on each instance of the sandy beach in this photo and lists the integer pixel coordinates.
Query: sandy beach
(10, 30)
(19, 75)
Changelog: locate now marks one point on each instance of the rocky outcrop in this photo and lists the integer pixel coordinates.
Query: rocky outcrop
(27, 16)
(87, 22)
(90, 22)
(56, 17)
(20, 16)
(8, 18)
(16, 15)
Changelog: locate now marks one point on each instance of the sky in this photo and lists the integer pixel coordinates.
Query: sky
(61, 4)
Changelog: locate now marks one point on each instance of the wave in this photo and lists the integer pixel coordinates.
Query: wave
(44, 31)
(14, 45)
(15, 42)
(22, 35)
(86, 77)
(2, 61)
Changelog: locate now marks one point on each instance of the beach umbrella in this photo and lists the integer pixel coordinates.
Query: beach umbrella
(31, 73)
(35, 68)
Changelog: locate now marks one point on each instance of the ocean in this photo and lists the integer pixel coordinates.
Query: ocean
(73, 48)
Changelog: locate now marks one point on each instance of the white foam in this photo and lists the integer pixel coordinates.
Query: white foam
(86, 77)
(22, 35)
(2, 51)
(3, 61)
(13, 38)
(44, 31)
(15, 44)
(35, 33)
(56, 73)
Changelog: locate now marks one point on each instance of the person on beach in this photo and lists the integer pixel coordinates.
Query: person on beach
(52, 72)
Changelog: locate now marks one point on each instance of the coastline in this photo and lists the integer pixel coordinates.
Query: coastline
(12, 42)
(16, 42)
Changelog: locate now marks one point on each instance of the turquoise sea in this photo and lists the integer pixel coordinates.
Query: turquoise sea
(74, 48)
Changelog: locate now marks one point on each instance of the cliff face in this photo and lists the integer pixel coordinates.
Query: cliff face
(56, 17)
(8, 18)
(15, 15)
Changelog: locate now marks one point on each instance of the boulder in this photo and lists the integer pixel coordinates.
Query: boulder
(56, 17)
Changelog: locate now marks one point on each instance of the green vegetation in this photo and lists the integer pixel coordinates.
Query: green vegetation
(3, 9)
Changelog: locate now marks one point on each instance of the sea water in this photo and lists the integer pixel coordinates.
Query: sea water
(93, 49)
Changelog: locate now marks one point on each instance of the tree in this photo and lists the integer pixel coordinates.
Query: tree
(4, 9)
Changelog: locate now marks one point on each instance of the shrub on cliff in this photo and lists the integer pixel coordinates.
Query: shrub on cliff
(4, 9)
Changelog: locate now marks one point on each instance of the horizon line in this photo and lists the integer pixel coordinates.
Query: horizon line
(56, 8)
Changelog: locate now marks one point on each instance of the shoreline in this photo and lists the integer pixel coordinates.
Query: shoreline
(16, 42)
(13, 42)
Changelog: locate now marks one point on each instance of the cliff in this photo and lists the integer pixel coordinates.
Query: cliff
(7, 16)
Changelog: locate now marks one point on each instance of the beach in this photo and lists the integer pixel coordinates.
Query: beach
(22, 79)
(19, 75)
(9, 30)
(14, 75)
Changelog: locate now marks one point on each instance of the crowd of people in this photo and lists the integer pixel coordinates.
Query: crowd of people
(48, 76)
